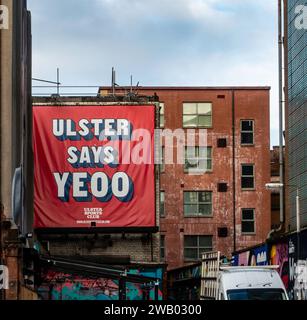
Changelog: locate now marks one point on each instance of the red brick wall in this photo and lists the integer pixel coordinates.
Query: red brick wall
(249, 104)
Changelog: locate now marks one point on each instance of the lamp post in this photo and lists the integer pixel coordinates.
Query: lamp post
(280, 186)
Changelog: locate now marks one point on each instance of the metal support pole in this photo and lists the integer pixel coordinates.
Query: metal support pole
(298, 223)
(58, 81)
(280, 75)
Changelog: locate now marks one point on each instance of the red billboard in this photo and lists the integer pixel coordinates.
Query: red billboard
(94, 166)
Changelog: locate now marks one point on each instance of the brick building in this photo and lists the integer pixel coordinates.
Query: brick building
(275, 194)
(227, 207)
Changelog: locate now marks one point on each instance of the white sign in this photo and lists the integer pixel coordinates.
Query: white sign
(4, 17)
(4, 277)
(300, 21)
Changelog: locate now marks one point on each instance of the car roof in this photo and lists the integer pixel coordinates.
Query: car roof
(251, 278)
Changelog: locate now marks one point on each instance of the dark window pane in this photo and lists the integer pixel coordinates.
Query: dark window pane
(162, 239)
(205, 241)
(190, 241)
(247, 183)
(247, 138)
(162, 247)
(247, 170)
(205, 209)
(248, 226)
(162, 203)
(247, 125)
(248, 214)
(191, 254)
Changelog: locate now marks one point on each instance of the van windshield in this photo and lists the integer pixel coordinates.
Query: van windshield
(256, 294)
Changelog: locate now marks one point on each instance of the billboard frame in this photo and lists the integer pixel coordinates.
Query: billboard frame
(59, 102)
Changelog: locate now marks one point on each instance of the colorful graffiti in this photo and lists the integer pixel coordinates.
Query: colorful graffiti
(279, 256)
(290, 258)
(64, 286)
(253, 257)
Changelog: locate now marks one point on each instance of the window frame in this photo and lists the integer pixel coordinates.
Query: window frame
(198, 247)
(247, 132)
(197, 114)
(162, 248)
(248, 220)
(162, 114)
(197, 215)
(198, 159)
(162, 160)
(248, 176)
(164, 213)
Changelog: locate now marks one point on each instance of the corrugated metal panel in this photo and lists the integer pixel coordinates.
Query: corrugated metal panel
(297, 114)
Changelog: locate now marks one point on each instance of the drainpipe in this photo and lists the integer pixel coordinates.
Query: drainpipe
(281, 155)
(1, 205)
(234, 171)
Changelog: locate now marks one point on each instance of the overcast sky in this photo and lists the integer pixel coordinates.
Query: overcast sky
(160, 42)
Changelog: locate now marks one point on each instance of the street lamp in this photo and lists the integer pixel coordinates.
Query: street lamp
(278, 187)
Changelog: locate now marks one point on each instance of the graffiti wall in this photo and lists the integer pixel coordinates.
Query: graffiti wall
(289, 253)
(64, 286)
(256, 256)
(279, 256)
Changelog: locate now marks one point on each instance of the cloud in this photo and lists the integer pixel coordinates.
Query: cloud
(161, 42)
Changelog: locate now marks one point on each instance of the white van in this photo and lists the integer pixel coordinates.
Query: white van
(250, 283)
(220, 282)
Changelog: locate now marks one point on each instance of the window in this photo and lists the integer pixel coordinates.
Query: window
(248, 178)
(162, 247)
(247, 132)
(198, 159)
(194, 246)
(162, 118)
(162, 160)
(248, 220)
(222, 143)
(197, 203)
(162, 204)
(197, 115)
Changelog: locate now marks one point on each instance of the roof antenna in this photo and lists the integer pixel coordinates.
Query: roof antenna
(131, 83)
(113, 81)
(137, 88)
(58, 82)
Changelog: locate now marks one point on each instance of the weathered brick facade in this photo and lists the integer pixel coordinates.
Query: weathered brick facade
(229, 104)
